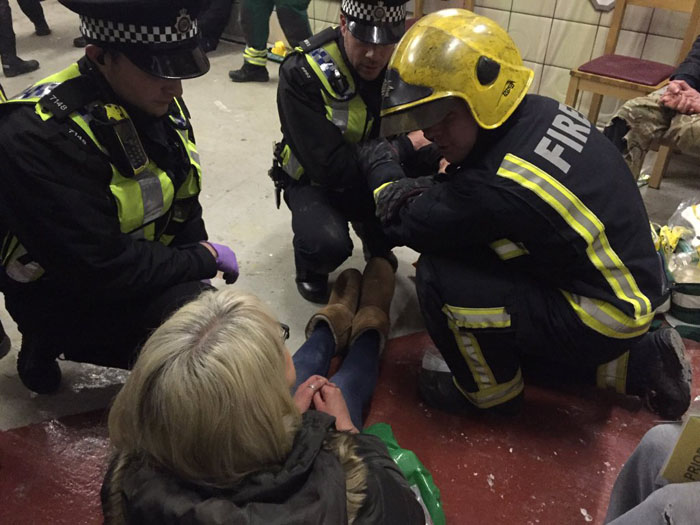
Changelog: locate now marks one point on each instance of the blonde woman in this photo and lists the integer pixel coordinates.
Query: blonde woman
(205, 429)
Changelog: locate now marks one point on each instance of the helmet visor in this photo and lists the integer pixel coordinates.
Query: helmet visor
(420, 116)
(381, 33)
(181, 61)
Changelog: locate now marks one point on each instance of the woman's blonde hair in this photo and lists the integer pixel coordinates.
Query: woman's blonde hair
(207, 398)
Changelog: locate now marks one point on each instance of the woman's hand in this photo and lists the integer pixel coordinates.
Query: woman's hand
(329, 399)
(305, 393)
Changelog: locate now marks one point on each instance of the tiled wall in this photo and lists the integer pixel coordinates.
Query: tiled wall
(557, 35)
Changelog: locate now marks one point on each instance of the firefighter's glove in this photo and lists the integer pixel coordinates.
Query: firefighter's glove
(379, 162)
(226, 262)
(392, 197)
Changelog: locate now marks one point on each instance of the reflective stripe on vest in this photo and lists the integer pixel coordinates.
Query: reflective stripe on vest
(140, 199)
(347, 111)
(597, 314)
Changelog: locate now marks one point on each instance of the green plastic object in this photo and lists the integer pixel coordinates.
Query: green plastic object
(413, 470)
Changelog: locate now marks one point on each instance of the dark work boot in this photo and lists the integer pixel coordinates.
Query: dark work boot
(39, 373)
(42, 28)
(79, 42)
(249, 73)
(313, 286)
(659, 373)
(13, 66)
(437, 388)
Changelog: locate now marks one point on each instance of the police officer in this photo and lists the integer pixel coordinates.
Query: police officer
(99, 214)
(329, 98)
(535, 244)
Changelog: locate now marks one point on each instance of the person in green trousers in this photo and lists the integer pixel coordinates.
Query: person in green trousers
(255, 18)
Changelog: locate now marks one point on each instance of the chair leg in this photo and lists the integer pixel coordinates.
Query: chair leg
(594, 109)
(572, 92)
(662, 160)
(418, 9)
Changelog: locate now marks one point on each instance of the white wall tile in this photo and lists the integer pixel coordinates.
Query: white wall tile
(606, 18)
(637, 18)
(430, 6)
(630, 44)
(570, 44)
(502, 18)
(662, 49)
(555, 81)
(599, 44)
(534, 7)
(537, 68)
(530, 34)
(576, 11)
(495, 4)
(665, 22)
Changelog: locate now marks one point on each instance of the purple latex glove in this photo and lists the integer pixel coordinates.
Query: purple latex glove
(226, 262)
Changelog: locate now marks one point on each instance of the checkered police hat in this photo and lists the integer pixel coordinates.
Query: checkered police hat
(375, 21)
(159, 36)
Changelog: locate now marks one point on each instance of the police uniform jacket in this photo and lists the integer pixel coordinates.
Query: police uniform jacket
(308, 488)
(553, 198)
(327, 156)
(55, 198)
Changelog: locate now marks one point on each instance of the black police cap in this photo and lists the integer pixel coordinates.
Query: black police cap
(375, 21)
(159, 36)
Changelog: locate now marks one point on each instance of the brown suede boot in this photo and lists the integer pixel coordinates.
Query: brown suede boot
(375, 300)
(339, 311)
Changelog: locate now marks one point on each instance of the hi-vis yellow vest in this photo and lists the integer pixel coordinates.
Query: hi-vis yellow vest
(141, 198)
(345, 109)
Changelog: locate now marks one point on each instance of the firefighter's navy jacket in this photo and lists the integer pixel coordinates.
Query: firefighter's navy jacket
(552, 197)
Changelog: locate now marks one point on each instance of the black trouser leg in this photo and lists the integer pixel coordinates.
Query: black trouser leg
(485, 316)
(92, 332)
(33, 10)
(321, 236)
(214, 18)
(8, 47)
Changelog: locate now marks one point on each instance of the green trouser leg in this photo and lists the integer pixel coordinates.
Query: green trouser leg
(294, 20)
(255, 18)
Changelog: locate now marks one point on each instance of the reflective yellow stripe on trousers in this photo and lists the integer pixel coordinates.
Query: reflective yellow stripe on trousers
(596, 314)
(460, 320)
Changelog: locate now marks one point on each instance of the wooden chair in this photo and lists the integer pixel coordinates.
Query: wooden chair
(628, 77)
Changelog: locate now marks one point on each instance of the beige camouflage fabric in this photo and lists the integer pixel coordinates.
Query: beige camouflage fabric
(649, 121)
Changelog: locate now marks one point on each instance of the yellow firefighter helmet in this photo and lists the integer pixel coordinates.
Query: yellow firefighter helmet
(449, 55)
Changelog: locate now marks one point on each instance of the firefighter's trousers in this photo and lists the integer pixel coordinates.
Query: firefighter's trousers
(486, 317)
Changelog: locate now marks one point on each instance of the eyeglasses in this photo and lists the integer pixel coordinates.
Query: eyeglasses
(285, 331)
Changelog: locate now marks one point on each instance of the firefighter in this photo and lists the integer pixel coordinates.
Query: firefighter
(535, 245)
(101, 226)
(329, 98)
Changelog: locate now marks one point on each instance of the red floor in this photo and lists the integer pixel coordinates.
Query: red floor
(553, 464)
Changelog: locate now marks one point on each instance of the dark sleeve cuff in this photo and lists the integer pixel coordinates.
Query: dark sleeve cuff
(207, 262)
(689, 79)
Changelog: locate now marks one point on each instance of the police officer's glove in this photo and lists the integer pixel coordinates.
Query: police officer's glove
(379, 162)
(390, 199)
(226, 262)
